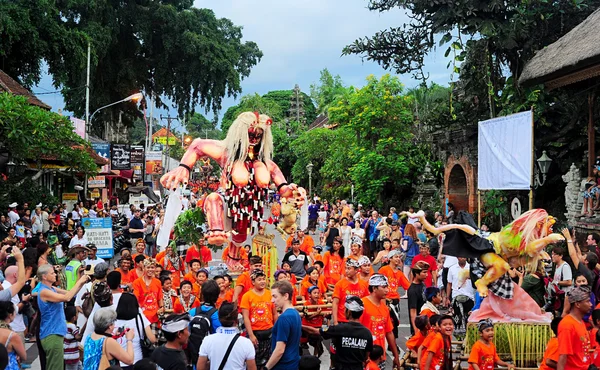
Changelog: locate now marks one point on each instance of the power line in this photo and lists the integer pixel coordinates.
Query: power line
(58, 91)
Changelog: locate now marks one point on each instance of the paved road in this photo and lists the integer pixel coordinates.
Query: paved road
(404, 331)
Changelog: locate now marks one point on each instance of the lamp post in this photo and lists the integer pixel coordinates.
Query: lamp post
(309, 168)
(544, 163)
(134, 97)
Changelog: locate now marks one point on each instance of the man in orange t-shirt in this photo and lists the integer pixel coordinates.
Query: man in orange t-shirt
(125, 270)
(202, 253)
(573, 337)
(550, 359)
(243, 283)
(393, 272)
(376, 316)
(148, 291)
(350, 285)
(306, 242)
(259, 316)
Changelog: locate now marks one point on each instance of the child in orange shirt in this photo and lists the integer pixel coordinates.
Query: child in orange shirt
(550, 359)
(225, 293)
(287, 276)
(414, 342)
(436, 354)
(483, 354)
(434, 329)
(434, 298)
(375, 358)
(313, 317)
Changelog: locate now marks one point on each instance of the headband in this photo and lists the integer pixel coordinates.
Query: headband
(579, 294)
(176, 325)
(378, 280)
(256, 273)
(364, 260)
(394, 252)
(484, 324)
(356, 240)
(279, 272)
(353, 305)
(350, 262)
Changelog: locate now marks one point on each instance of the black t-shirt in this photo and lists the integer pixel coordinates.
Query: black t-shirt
(333, 233)
(136, 223)
(169, 359)
(352, 342)
(416, 299)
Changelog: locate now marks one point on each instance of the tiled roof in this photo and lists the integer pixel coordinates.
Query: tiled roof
(9, 85)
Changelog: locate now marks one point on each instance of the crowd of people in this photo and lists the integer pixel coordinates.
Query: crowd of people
(170, 310)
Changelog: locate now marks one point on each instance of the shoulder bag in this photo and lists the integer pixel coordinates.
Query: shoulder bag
(145, 344)
(235, 338)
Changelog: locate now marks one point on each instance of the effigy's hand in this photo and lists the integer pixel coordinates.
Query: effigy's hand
(175, 177)
(287, 191)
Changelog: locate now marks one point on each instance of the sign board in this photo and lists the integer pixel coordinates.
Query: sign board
(137, 161)
(515, 208)
(103, 150)
(95, 193)
(69, 196)
(96, 182)
(120, 157)
(505, 152)
(99, 232)
(163, 140)
(154, 164)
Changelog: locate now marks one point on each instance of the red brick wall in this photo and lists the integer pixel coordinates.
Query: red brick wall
(460, 185)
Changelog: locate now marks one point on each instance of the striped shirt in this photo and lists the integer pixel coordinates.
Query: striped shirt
(71, 345)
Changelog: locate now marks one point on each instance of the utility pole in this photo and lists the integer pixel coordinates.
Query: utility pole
(169, 119)
(87, 94)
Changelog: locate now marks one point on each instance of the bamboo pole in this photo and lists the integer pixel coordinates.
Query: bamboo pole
(532, 162)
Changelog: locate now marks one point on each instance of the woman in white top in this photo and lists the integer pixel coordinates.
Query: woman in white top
(79, 238)
(358, 231)
(129, 317)
(345, 232)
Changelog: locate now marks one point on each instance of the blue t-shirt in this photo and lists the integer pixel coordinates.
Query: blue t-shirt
(214, 318)
(288, 329)
(313, 212)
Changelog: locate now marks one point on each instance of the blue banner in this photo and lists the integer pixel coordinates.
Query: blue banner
(99, 232)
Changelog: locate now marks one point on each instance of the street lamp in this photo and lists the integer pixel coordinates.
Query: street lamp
(10, 167)
(135, 97)
(309, 168)
(544, 163)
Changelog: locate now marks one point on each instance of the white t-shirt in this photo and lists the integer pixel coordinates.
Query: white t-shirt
(114, 212)
(357, 215)
(93, 214)
(214, 347)
(76, 241)
(75, 215)
(14, 217)
(17, 324)
(563, 272)
(450, 261)
(358, 232)
(461, 281)
(130, 324)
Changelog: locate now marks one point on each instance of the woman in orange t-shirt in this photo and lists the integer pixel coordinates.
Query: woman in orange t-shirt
(334, 263)
(312, 278)
(186, 300)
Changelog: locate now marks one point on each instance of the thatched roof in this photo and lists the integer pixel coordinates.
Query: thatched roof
(9, 85)
(572, 58)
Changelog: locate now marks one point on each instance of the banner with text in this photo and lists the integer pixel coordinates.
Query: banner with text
(120, 157)
(103, 150)
(154, 163)
(137, 161)
(505, 152)
(99, 232)
(96, 182)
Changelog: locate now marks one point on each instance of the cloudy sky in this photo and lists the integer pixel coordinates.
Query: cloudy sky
(299, 39)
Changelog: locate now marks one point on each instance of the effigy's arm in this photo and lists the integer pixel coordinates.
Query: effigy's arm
(199, 148)
(278, 179)
(438, 230)
(535, 247)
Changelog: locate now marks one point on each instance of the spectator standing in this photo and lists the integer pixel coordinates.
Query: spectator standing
(7, 294)
(53, 324)
(215, 348)
(14, 345)
(129, 317)
(92, 259)
(171, 355)
(563, 275)
(285, 340)
(460, 294)
(409, 246)
(313, 216)
(136, 227)
(372, 233)
(331, 233)
(573, 337)
(10, 279)
(71, 340)
(101, 350)
(12, 213)
(79, 238)
(424, 256)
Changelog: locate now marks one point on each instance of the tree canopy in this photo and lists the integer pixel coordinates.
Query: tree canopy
(166, 48)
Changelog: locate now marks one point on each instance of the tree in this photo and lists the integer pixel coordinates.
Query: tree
(199, 126)
(30, 132)
(328, 89)
(166, 48)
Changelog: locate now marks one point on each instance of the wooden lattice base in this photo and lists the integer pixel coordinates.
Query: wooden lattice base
(523, 343)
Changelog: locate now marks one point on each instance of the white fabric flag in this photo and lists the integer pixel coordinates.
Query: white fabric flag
(505, 152)
(172, 211)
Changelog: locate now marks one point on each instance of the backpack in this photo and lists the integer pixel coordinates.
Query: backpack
(200, 328)
(88, 302)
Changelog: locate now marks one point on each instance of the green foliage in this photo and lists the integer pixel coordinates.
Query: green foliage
(23, 189)
(494, 209)
(252, 103)
(372, 147)
(199, 126)
(328, 90)
(188, 225)
(30, 132)
(168, 48)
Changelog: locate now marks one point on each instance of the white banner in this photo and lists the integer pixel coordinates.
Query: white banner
(505, 152)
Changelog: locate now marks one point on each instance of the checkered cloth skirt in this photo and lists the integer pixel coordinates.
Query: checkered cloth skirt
(502, 288)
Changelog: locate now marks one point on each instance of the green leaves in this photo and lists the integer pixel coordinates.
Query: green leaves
(32, 133)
